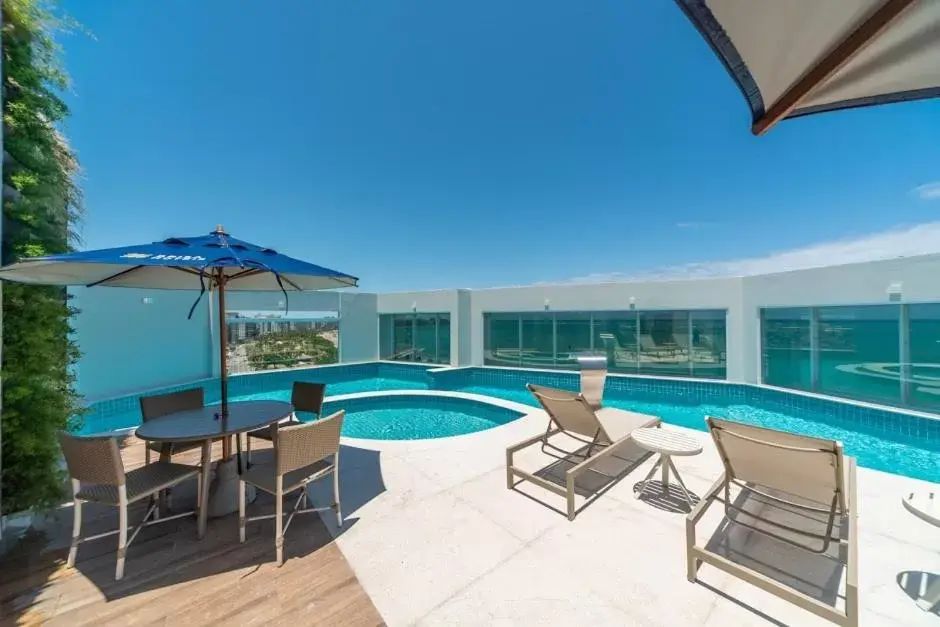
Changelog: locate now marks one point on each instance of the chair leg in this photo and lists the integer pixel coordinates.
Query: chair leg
(122, 532)
(569, 491)
(279, 523)
(204, 496)
(336, 505)
(76, 525)
(248, 450)
(241, 511)
(198, 493)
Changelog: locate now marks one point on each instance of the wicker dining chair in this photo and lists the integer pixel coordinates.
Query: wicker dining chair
(306, 397)
(157, 406)
(97, 473)
(303, 453)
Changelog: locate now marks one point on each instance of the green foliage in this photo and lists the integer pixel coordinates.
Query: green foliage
(290, 348)
(41, 204)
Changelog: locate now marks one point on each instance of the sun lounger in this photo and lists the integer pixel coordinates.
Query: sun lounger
(604, 432)
(796, 491)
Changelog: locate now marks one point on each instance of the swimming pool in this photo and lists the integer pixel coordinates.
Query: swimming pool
(417, 417)
(885, 440)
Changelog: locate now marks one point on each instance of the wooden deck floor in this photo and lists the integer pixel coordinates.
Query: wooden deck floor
(171, 578)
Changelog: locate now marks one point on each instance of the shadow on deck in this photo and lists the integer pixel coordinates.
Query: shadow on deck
(172, 577)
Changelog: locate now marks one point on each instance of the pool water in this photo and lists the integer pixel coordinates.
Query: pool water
(376, 384)
(871, 451)
(417, 417)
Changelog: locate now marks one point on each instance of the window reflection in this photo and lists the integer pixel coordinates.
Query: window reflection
(501, 340)
(538, 341)
(415, 337)
(615, 335)
(887, 353)
(787, 361)
(573, 333)
(708, 345)
(662, 343)
(855, 344)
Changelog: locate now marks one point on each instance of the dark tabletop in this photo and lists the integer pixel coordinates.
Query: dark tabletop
(206, 423)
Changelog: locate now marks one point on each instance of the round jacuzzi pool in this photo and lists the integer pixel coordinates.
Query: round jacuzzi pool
(416, 416)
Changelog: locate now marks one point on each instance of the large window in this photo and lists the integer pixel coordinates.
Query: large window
(501, 339)
(786, 345)
(538, 341)
(887, 354)
(423, 338)
(615, 335)
(573, 336)
(852, 342)
(922, 371)
(708, 342)
(663, 343)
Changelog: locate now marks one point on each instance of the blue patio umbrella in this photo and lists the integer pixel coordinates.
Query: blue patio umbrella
(214, 262)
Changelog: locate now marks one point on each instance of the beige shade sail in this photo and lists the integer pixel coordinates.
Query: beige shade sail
(797, 57)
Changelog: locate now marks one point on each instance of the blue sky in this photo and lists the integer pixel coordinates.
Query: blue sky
(433, 144)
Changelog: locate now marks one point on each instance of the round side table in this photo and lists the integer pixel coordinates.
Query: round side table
(667, 443)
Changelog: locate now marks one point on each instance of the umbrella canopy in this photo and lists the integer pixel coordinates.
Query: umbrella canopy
(797, 57)
(180, 263)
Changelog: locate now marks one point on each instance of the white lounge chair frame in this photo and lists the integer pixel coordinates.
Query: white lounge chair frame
(571, 414)
(810, 469)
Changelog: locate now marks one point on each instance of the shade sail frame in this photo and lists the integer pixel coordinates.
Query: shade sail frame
(851, 40)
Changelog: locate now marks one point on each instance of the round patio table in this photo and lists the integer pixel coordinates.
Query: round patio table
(206, 424)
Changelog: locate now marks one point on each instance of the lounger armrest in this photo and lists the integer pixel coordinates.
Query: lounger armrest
(607, 451)
(707, 499)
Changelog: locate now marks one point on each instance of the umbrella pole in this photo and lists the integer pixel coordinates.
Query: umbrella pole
(223, 360)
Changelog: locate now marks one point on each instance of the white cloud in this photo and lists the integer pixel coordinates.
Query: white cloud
(920, 239)
(928, 191)
(694, 225)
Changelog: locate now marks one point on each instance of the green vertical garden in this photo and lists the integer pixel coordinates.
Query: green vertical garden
(41, 203)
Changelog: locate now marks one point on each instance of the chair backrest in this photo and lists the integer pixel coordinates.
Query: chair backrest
(299, 446)
(592, 385)
(569, 411)
(307, 396)
(93, 460)
(799, 465)
(163, 404)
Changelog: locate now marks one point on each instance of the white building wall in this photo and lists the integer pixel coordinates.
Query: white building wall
(462, 326)
(358, 327)
(133, 340)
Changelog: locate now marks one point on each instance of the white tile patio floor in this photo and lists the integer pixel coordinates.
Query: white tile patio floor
(436, 538)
